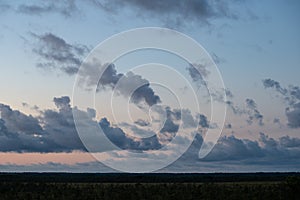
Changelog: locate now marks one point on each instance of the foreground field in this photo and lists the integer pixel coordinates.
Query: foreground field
(19, 187)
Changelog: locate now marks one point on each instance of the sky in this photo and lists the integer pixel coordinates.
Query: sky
(153, 106)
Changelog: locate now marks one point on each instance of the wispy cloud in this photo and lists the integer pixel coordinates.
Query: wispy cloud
(172, 13)
(64, 7)
(253, 113)
(55, 53)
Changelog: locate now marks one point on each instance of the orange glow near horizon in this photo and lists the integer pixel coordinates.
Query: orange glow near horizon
(42, 158)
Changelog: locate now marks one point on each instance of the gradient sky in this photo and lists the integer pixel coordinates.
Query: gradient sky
(255, 44)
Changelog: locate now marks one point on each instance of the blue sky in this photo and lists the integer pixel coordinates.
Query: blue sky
(255, 45)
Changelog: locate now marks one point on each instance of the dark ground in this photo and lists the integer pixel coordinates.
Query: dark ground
(149, 186)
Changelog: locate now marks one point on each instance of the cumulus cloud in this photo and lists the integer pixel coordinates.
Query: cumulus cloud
(291, 97)
(19, 123)
(55, 131)
(170, 12)
(266, 149)
(236, 154)
(55, 53)
(64, 7)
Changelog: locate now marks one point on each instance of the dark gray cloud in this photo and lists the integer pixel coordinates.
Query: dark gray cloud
(66, 8)
(228, 93)
(293, 116)
(266, 149)
(203, 122)
(141, 122)
(291, 97)
(228, 126)
(62, 102)
(123, 141)
(230, 154)
(198, 73)
(19, 123)
(235, 109)
(269, 83)
(169, 126)
(232, 148)
(171, 123)
(276, 121)
(22, 133)
(55, 53)
(172, 13)
(287, 141)
(128, 85)
(54, 131)
(235, 154)
(253, 113)
(60, 127)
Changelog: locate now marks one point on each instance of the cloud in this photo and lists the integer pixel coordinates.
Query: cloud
(4, 7)
(21, 133)
(172, 13)
(64, 7)
(141, 122)
(123, 141)
(269, 83)
(55, 131)
(232, 148)
(291, 97)
(198, 73)
(169, 126)
(51, 131)
(288, 142)
(55, 53)
(265, 150)
(128, 85)
(253, 113)
(203, 122)
(62, 102)
(232, 154)
(60, 127)
(293, 116)
(19, 123)
(228, 126)
(171, 116)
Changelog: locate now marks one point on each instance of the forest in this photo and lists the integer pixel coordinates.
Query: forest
(149, 186)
